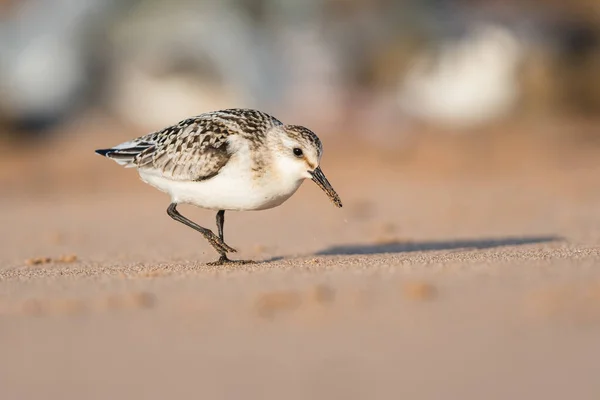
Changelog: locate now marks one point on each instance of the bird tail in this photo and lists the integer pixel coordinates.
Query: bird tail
(125, 153)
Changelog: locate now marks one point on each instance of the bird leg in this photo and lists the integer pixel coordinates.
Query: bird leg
(215, 241)
(221, 223)
(224, 259)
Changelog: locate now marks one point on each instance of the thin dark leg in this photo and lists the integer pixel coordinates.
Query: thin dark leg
(221, 222)
(216, 242)
(224, 259)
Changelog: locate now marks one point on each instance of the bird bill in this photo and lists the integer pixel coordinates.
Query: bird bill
(319, 178)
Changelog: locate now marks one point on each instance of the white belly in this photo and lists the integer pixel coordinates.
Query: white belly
(228, 190)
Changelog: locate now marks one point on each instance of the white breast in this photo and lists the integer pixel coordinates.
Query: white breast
(235, 187)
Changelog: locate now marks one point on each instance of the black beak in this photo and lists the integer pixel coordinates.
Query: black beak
(319, 178)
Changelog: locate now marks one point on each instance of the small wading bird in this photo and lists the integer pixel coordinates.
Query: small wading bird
(236, 159)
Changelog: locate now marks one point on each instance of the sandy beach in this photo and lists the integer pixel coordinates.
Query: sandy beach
(447, 275)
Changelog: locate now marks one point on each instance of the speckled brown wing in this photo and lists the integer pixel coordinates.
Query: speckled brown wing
(193, 150)
(196, 148)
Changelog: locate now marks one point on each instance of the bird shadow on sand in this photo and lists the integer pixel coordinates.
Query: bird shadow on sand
(463, 244)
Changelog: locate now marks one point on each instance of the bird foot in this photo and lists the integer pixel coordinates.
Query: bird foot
(218, 244)
(223, 260)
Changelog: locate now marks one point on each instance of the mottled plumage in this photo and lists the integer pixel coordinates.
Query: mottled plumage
(196, 148)
(235, 159)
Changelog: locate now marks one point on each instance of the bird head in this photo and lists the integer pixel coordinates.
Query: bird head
(299, 151)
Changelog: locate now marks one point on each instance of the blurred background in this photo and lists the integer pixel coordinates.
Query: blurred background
(463, 137)
(407, 78)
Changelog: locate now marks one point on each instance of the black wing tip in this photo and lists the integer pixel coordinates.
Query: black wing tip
(103, 152)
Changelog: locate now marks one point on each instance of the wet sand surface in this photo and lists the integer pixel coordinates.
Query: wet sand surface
(424, 286)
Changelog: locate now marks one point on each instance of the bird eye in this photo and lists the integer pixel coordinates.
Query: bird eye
(297, 152)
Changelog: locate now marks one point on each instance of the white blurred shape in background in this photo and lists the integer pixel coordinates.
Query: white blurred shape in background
(471, 82)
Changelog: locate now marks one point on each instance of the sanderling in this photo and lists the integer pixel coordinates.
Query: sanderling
(236, 159)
